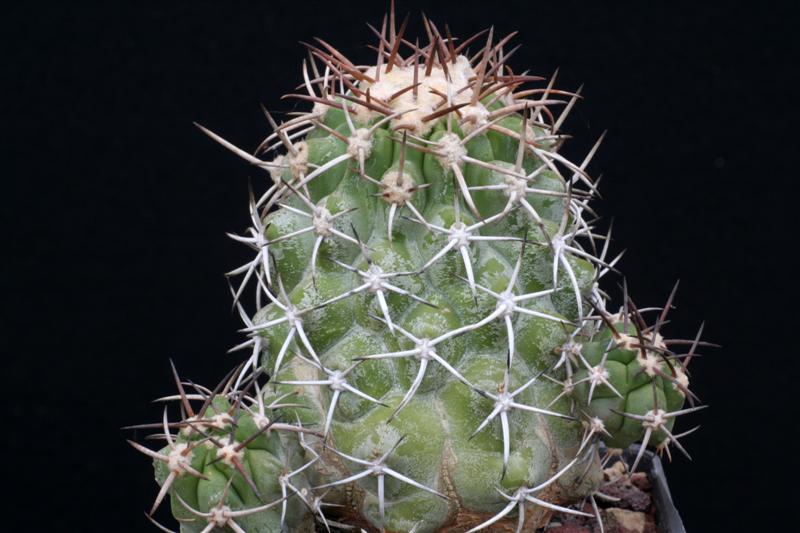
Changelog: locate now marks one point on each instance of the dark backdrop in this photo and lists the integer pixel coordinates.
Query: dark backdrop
(114, 210)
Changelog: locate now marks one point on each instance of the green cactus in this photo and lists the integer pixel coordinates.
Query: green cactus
(430, 348)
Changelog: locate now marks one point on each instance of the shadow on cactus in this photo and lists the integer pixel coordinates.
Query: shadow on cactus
(429, 348)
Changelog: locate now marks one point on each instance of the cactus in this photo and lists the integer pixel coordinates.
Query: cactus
(430, 348)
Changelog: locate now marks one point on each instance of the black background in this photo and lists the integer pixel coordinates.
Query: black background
(114, 210)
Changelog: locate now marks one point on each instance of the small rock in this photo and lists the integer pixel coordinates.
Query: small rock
(569, 528)
(624, 521)
(630, 496)
(615, 471)
(650, 526)
(641, 481)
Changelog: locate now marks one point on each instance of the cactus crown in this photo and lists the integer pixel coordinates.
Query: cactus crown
(430, 348)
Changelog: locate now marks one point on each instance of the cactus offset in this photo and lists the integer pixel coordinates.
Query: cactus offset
(430, 348)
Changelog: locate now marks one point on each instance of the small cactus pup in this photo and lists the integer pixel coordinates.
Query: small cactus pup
(429, 348)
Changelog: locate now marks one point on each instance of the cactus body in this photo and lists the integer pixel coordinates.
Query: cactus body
(427, 311)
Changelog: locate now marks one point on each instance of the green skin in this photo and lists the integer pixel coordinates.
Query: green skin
(627, 376)
(437, 451)
(265, 458)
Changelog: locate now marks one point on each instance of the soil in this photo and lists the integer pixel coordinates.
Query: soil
(629, 510)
